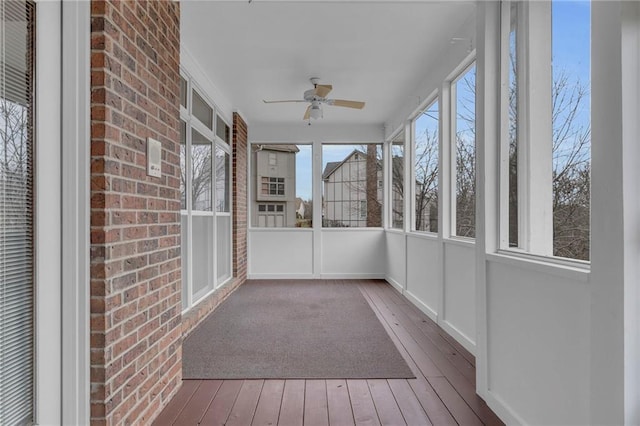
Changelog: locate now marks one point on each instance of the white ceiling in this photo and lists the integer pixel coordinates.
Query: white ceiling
(373, 51)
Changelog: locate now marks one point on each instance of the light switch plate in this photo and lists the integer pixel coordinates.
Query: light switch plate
(154, 158)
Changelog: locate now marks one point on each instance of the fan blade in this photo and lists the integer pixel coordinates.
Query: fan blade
(279, 102)
(345, 103)
(307, 113)
(322, 90)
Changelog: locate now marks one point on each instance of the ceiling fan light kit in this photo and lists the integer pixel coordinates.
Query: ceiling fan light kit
(318, 96)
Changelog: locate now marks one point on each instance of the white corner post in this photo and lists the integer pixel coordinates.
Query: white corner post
(487, 166)
(631, 213)
(48, 213)
(614, 214)
(75, 148)
(535, 141)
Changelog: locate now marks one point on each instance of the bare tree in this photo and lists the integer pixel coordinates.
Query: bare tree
(426, 176)
(571, 169)
(201, 176)
(15, 157)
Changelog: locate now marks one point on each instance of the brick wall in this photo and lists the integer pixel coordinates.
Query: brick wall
(239, 197)
(135, 224)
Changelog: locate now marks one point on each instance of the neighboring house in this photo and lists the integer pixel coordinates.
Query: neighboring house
(274, 175)
(345, 192)
(345, 197)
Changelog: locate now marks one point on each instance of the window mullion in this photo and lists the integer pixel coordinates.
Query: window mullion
(535, 139)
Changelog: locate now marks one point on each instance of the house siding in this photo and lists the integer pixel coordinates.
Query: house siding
(136, 354)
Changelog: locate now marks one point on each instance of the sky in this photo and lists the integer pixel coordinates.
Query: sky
(571, 34)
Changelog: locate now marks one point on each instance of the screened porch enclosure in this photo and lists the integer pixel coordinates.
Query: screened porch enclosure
(478, 205)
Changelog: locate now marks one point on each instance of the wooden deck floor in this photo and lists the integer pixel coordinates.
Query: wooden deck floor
(443, 392)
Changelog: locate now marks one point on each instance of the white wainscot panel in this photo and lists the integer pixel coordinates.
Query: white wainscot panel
(396, 259)
(459, 312)
(280, 254)
(353, 253)
(423, 273)
(538, 345)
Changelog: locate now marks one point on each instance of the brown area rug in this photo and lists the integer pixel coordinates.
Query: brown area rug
(293, 330)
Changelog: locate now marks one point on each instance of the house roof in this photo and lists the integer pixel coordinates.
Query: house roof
(330, 168)
(335, 165)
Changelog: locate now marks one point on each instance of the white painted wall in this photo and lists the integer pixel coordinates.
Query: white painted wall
(423, 273)
(438, 277)
(396, 259)
(280, 253)
(353, 253)
(343, 253)
(458, 316)
(538, 346)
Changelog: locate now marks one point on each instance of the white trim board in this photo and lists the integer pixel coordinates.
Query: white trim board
(48, 217)
(76, 19)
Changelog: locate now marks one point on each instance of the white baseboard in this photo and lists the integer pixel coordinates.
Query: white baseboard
(502, 410)
(280, 277)
(395, 284)
(460, 337)
(422, 306)
(351, 276)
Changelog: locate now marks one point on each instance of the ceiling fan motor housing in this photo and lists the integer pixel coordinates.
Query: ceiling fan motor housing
(310, 95)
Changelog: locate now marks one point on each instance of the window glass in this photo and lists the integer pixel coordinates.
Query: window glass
(183, 92)
(201, 109)
(513, 129)
(183, 165)
(397, 182)
(201, 176)
(550, 157)
(465, 153)
(222, 180)
(222, 130)
(17, 263)
(281, 186)
(571, 117)
(352, 196)
(426, 169)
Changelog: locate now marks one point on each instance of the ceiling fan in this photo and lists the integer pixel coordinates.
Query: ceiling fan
(318, 96)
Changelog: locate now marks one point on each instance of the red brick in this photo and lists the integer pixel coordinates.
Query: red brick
(136, 322)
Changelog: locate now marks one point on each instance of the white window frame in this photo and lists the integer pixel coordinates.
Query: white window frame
(388, 177)
(430, 100)
(383, 210)
(226, 147)
(194, 123)
(535, 211)
(252, 189)
(450, 123)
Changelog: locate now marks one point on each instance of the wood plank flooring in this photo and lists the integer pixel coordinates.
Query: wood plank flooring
(443, 392)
